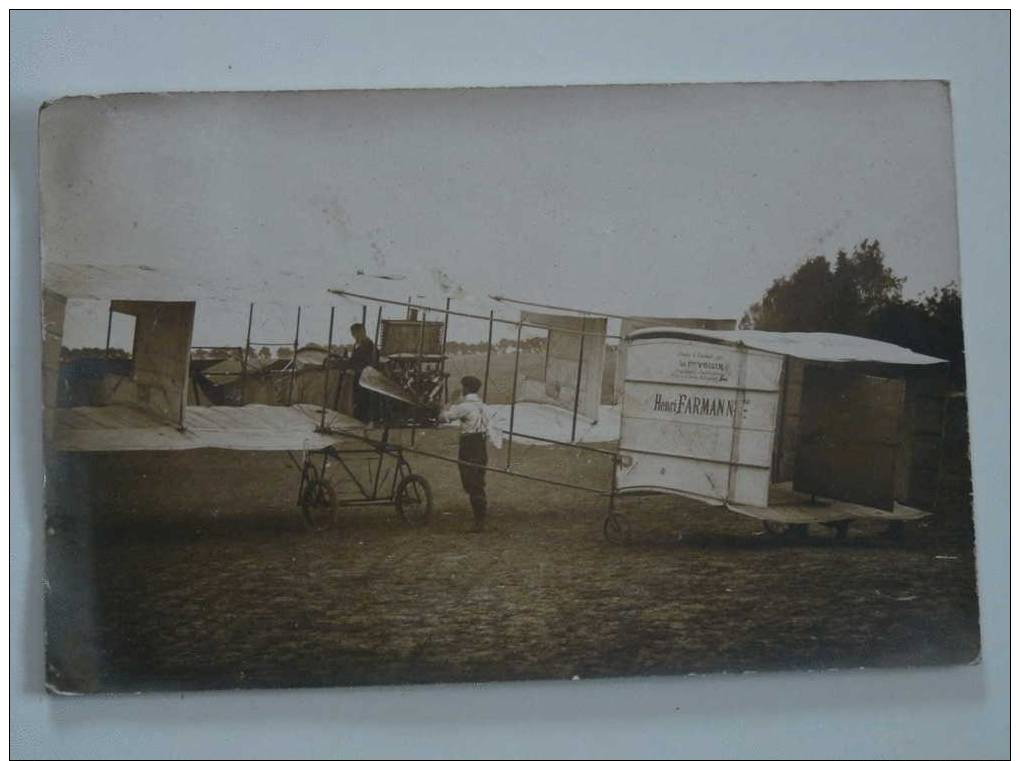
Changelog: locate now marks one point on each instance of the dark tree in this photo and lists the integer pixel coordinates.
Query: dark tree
(862, 296)
(822, 298)
(92, 352)
(931, 324)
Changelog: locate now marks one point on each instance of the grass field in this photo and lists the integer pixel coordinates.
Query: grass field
(194, 570)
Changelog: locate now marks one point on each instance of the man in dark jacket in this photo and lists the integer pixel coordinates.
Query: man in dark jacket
(362, 356)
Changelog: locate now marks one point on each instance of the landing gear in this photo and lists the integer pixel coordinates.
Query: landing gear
(413, 500)
(357, 480)
(840, 529)
(616, 528)
(777, 528)
(317, 499)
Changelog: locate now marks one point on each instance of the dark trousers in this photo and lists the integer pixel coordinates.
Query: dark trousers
(472, 477)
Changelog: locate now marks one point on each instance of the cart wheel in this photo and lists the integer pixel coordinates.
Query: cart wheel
(778, 528)
(616, 529)
(317, 500)
(413, 500)
(839, 528)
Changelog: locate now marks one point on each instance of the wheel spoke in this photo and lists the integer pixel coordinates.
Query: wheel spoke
(316, 501)
(413, 499)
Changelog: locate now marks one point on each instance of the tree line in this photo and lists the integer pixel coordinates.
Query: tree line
(860, 295)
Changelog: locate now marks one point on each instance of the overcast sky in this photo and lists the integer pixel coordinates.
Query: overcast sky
(666, 200)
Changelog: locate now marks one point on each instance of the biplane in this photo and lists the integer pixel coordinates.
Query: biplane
(154, 402)
(791, 429)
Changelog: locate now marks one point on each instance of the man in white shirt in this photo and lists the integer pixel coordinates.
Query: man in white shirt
(474, 422)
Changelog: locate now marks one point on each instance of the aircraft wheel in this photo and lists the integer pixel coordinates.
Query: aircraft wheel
(317, 500)
(839, 528)
(413, 500)
(778, 528)
(616, 529)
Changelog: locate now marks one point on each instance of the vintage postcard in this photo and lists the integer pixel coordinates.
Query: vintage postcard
(411, 386)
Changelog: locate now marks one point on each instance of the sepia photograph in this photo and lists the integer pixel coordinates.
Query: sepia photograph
(389, 387)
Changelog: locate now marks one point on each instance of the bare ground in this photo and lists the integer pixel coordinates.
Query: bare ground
(194, 570)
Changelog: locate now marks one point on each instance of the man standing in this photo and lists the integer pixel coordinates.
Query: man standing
(362, 356)
(473, 455)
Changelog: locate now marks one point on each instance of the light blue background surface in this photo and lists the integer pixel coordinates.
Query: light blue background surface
(941, 712)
